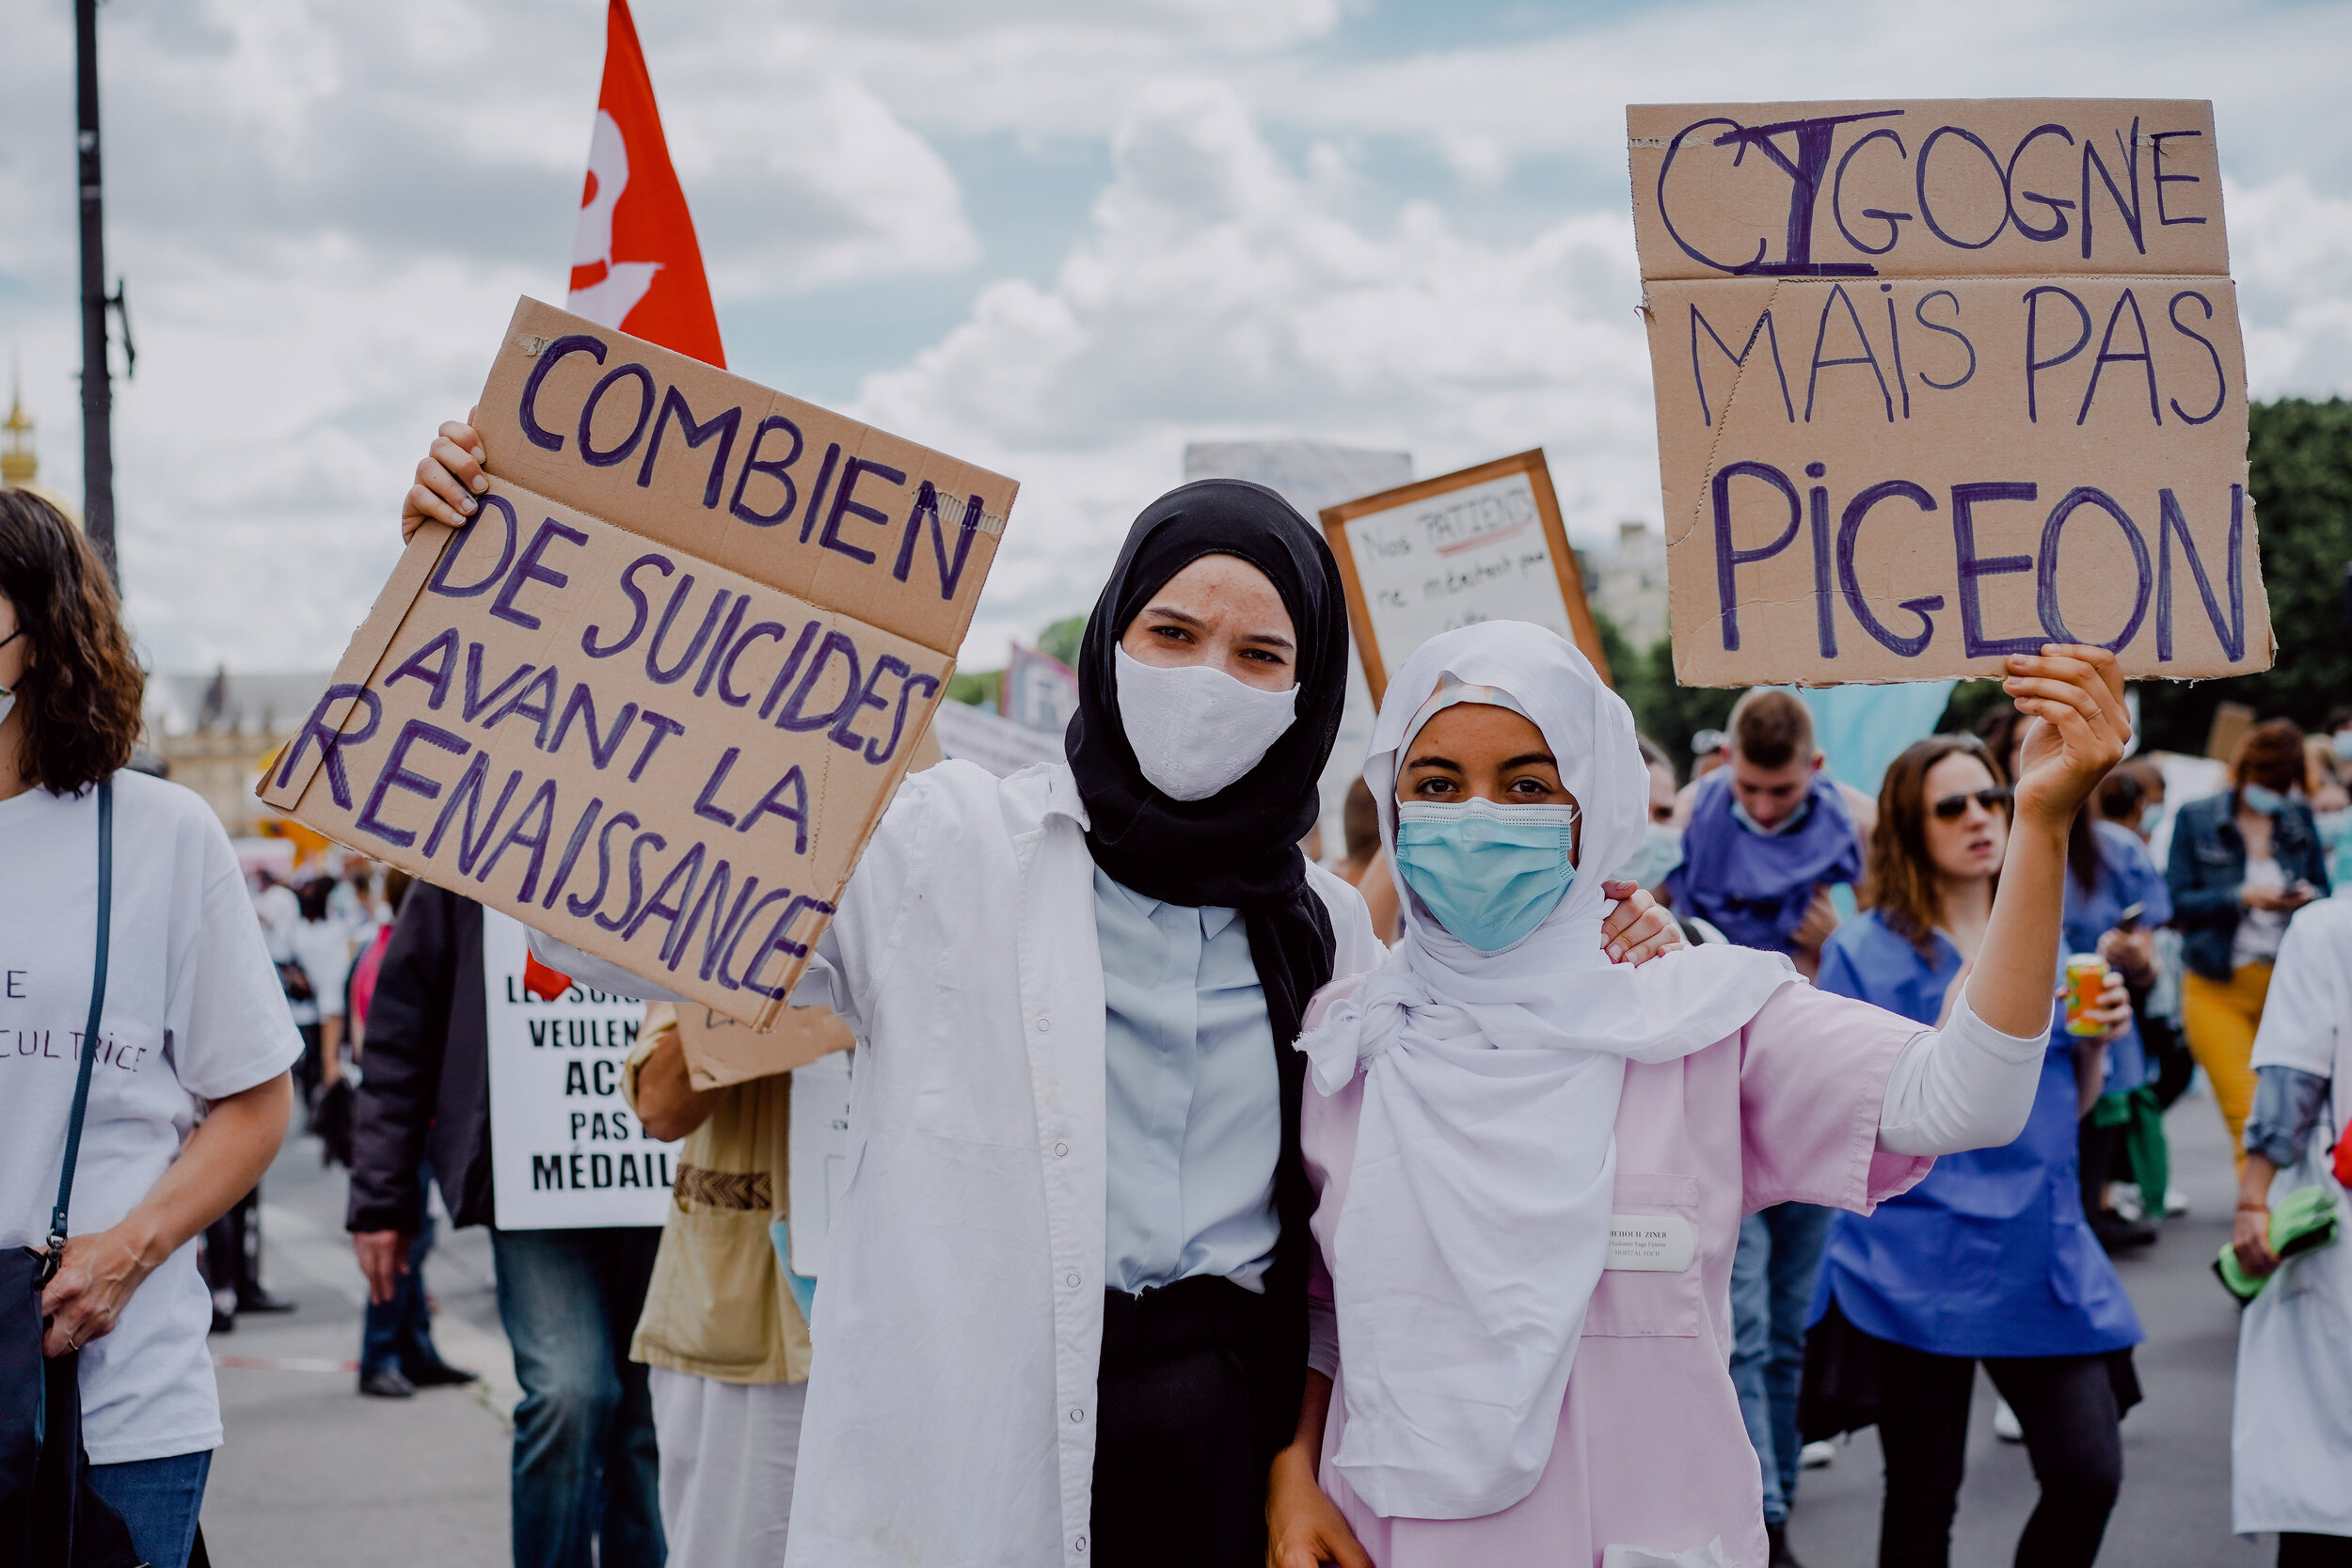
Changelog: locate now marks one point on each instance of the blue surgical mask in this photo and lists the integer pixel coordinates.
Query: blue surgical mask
(1489, 873)
(1661, 851)
(2342, 741)
(2255, 797)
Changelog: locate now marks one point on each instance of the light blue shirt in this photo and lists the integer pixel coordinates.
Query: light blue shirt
(1193, 1098)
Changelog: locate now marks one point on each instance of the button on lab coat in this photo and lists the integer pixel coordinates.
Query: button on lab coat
(959, 1320)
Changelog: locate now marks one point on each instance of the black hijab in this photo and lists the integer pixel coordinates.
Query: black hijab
(1238, 848)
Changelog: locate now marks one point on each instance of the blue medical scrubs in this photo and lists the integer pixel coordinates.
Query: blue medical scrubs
(1989, 1256)
(2128, 876)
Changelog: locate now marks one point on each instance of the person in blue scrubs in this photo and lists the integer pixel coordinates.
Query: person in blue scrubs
(1990, 1257)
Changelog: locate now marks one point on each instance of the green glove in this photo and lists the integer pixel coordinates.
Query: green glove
(2305, 1220)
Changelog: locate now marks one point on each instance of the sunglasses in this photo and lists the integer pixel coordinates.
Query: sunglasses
(1995, 798)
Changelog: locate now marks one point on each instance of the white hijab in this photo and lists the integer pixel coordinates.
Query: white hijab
(1477, 1216)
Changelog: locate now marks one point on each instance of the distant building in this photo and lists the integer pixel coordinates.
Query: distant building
(20, 462)
(214, 732)
(1629, 584)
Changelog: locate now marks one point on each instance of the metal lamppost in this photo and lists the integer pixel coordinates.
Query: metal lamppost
(98, 454)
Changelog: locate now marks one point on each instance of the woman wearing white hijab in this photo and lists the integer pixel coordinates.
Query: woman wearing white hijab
(1530, 1166)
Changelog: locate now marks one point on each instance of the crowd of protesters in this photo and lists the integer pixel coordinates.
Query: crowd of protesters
(1251, 1303)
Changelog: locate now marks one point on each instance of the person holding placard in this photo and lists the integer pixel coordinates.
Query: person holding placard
(1521, 1353)
(1064, 1293)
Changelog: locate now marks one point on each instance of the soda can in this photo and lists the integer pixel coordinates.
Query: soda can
(2085, 980)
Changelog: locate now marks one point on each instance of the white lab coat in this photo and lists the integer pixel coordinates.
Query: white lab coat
(958, 1321)
(2291, 1432)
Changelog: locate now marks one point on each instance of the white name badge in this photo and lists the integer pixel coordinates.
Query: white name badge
(1655, 1243)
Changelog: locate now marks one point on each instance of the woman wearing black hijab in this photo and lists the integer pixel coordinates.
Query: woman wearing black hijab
(1064, 1288)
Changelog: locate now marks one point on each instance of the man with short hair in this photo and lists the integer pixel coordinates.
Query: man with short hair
(1767, 836)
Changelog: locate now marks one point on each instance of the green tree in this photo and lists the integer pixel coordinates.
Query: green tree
(1060, 639)
(2300, 453)
(979, 687)
(1665, 711)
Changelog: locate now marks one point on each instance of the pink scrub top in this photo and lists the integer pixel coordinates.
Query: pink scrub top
(1651, 1450)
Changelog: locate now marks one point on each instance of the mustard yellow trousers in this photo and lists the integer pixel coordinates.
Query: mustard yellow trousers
(2221, 1018)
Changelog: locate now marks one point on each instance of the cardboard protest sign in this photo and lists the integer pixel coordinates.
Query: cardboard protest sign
(720, 1051)
(1484, 544)
(1941, 381)
(653, 699)
(568, 1152)
(818, 1159)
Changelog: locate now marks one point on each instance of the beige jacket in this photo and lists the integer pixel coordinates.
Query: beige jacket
(718, 1305)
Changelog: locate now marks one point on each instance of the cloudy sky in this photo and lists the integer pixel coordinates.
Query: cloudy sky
(1060, 239)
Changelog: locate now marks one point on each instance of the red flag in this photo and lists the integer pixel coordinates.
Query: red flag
(635, 265)
(543, 982)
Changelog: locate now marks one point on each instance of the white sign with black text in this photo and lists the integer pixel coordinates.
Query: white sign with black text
(566, 1152)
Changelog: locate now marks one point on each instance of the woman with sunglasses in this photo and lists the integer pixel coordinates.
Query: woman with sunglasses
(1990, 1258)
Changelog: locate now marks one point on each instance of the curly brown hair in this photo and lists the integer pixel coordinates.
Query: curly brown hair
(1899, 880)
(80, 695)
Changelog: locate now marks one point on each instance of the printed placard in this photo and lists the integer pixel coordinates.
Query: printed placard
(1484, 544)
(566, 1152)
(1938, 382)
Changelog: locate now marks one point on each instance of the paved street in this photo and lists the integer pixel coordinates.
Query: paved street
(2175, 1511)
(312, 1474)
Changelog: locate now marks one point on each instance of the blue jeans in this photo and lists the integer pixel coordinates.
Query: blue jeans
(399, 1333)
(585, 1467)
(1772, 1285)
(159, 1499)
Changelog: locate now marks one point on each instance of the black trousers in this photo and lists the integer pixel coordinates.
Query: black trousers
(232, 1247)
(2068, 1406)
(2165, 1048)
(1180, 1474)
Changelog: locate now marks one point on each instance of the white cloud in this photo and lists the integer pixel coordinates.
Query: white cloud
(1217, 294)
(326, 212)
(2291, 251)
(324, 206)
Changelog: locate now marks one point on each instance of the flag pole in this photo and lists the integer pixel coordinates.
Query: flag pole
(98, 460)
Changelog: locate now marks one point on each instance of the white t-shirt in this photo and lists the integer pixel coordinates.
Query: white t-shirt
(323, 950)
(2259, 931)
(192, 1012)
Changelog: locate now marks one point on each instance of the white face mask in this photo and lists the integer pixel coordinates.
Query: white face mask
(1659, 853)
(1194, 728)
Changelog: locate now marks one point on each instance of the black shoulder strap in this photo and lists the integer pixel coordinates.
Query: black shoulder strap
(89, 1030)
